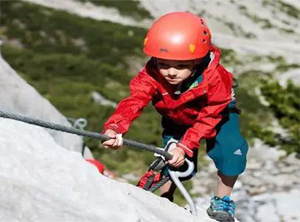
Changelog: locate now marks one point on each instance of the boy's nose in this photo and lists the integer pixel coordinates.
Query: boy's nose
(172, 72)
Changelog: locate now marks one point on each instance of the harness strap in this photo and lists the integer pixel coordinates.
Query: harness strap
(235, 83)
(149, 182)
(159, 184)
(234, 110)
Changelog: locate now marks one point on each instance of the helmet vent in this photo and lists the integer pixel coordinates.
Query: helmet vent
(204, 32)
(203, 40)
(203, 24)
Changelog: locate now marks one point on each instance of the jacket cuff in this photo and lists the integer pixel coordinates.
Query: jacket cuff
(187, 150)
(112, 127)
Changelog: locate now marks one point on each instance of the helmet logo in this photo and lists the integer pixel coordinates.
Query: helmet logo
(192, 48)
(163, 50)
(145, 41)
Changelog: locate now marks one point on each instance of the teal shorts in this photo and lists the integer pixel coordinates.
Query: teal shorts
(228, 149)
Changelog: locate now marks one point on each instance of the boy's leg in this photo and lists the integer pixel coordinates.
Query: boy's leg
(221, 207)
(168, 190)
(228, 150)
(225, 184)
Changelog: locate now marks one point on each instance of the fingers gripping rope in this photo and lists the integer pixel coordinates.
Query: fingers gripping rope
(80, 132)
(120, 139)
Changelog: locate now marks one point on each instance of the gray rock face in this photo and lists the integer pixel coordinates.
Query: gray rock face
(18, 97)
(41, 181)
(98, 98)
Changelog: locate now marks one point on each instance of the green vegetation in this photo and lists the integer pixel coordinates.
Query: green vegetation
(229, 58)
(286, 67)
(254, 114)
(125, 7)
(266, 24)
(282, 6)
(285, 104)
(46, 31)
(236, 29)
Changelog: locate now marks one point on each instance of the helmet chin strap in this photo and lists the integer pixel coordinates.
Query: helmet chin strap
(202, 62)
(194, 69)
(155, 61)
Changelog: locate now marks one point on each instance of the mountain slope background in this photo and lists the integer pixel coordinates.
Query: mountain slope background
(69, 50)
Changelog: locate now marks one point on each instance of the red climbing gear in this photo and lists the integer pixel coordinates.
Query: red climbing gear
(100, 166)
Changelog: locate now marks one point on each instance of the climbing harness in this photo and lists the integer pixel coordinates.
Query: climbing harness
(77, 129)
(160, 173)
(152, 180)
(156, 175)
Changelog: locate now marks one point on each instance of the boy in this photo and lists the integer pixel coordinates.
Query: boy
(193, 93)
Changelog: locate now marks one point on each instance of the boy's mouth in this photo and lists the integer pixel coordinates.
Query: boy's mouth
(172, 81)
(172, 78)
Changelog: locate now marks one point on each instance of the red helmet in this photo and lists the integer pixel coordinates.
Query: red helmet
(178, 36)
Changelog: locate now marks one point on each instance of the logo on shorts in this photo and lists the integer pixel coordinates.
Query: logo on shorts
(238, 152)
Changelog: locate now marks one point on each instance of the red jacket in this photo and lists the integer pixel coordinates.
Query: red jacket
(198, 108)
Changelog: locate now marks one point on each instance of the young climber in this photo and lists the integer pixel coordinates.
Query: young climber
(194, 94)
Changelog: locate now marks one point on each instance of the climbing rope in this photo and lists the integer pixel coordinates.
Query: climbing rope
(80, 132)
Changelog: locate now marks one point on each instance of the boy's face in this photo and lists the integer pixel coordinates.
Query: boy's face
(175, 72)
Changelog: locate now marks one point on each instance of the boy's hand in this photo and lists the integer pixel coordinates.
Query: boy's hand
(115, 142)
(178, 157)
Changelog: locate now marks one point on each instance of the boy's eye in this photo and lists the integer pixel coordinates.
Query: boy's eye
(163, 65)
(183, 66)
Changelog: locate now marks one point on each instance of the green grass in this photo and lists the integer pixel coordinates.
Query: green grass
(229, 57)
(285, 104)
(49, 31)
(282, 6)
(254, 114)
(125, 7)
(285, 67)
(265, 23)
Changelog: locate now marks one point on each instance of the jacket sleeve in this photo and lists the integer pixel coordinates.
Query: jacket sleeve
(141, 91)
(219, 96)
